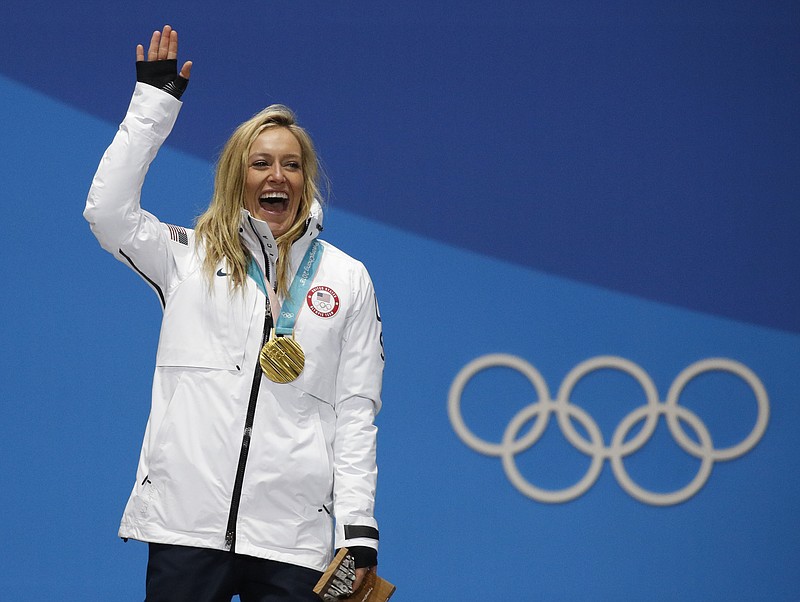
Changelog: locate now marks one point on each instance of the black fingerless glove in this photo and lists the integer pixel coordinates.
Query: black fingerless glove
(364, 556)
(162, 75)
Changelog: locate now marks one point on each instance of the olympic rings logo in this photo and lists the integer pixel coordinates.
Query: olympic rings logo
(566, 412)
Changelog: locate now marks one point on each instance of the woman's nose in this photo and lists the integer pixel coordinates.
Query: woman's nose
(276, 173)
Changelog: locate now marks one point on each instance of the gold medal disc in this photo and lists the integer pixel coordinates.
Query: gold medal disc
(282, 359)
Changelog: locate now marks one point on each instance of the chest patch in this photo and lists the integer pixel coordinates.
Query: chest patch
(323, 301)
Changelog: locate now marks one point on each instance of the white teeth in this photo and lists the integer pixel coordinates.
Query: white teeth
(275, 195)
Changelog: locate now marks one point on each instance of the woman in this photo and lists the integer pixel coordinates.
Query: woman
(259, 453)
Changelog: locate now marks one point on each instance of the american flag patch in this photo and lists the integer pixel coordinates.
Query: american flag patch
(178, 234)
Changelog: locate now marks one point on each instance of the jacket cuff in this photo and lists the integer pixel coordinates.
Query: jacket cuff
(361, 541)
(363, 556)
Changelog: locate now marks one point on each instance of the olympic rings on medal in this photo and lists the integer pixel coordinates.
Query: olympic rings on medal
(595, 447)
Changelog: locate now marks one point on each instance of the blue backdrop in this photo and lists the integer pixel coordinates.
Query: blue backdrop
(531, 185)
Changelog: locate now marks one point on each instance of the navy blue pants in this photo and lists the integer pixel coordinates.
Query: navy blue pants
(186, 574)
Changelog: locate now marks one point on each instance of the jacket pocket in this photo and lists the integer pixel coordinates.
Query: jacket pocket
(321, 343)
(206, 328)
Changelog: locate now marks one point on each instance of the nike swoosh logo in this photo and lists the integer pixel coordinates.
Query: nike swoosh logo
(221, 273)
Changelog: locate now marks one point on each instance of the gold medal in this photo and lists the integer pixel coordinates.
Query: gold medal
(282, 359)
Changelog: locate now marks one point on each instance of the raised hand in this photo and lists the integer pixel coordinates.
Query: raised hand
(161, 67)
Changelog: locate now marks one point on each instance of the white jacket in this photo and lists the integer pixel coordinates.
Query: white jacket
(231, 460)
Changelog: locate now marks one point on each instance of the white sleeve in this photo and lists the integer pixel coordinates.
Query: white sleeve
(358, 390)
(131, 234)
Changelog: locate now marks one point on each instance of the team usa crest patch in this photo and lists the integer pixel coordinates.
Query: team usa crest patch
(323, 301)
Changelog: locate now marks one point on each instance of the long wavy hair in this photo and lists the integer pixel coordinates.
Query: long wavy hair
(218, 226)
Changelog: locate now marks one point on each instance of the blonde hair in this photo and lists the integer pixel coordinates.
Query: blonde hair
(218, 226)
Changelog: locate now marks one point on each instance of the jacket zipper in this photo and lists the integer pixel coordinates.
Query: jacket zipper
(230, 533)
(233, 515)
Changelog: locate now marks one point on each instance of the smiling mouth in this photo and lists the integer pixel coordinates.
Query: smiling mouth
(274, 201)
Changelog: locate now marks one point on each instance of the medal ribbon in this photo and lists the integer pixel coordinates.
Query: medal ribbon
(298, 289)
(255, 273)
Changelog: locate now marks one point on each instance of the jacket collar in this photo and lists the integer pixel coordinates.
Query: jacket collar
(258, 238)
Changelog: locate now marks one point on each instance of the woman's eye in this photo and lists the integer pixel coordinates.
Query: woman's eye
(293, 165)
(260, 164)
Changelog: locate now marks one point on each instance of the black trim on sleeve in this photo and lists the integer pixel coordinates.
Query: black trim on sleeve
(354, 531)
(147, 279)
